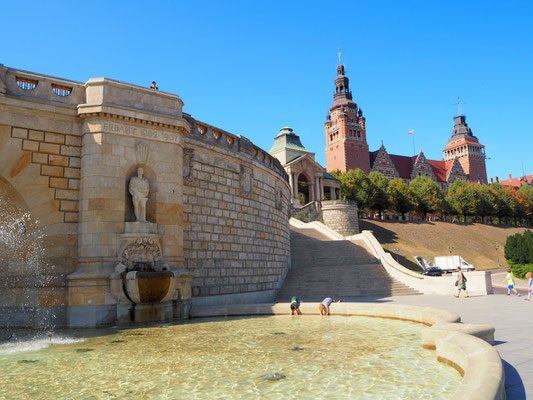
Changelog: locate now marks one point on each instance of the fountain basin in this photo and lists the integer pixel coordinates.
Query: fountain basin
(149, 286)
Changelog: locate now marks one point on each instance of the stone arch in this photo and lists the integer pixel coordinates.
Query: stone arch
(303, 183)
(17, 231)
(149, 174)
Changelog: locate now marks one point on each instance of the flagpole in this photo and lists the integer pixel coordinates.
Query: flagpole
(413, 135)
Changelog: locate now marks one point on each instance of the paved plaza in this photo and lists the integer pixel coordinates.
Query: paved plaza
(512, 318)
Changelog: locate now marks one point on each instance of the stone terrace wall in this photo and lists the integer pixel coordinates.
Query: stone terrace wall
(236, 211)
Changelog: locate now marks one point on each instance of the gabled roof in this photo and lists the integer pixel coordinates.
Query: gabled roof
(439, 169)
(330, 177)
(517, 182)
(301, 158)
(404, 165)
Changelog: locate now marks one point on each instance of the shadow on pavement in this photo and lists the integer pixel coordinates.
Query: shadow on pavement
(514, 387)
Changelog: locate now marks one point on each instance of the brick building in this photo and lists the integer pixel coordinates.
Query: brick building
(347, 147)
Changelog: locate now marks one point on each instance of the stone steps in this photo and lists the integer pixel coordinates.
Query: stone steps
(340, 269)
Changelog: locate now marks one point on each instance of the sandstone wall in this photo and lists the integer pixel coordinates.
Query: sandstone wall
(236, 208)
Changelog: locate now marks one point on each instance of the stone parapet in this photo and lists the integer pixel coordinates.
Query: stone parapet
(341, 216)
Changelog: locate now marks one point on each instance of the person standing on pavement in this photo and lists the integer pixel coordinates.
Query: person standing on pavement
(461, 283)
(510, 283)
(529, 275)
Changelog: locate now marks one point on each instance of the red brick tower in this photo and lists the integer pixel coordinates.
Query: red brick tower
(466, 148)
(346, 146)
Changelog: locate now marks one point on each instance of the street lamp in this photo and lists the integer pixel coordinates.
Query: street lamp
(497, 246)
(396, 251)
(450, 249)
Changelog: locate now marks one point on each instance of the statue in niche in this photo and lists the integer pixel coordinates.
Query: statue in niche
(139, 189)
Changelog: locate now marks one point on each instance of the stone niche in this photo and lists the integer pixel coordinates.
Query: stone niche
(129, 134)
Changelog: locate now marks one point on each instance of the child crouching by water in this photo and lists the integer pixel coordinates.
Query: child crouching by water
(323, 307)
(295, 306)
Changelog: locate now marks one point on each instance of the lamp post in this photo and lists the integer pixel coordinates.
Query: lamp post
(396, 251)
(497, 246)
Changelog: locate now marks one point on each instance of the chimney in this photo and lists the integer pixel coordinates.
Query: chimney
(510, 177)
(497, 180)
(491, 180)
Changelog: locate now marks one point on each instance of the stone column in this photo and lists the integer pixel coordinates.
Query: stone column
(317, 184)
(332, 193)
(295, 185)
(291, 184)
(321, 188)
(311, 190)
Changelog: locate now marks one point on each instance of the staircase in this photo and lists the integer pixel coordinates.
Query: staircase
(340, 269)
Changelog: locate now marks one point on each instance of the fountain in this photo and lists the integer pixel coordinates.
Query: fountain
(22, 263)
(145, 287)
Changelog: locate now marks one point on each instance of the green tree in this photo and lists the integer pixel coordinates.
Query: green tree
(487, 200)
(502, 208)
(518, 203)
(378, 199)
(528, 191)
(355, 185)
(427, 195)
(463, 198)
(400, 197)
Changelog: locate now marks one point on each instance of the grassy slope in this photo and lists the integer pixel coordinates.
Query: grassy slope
(474, 242)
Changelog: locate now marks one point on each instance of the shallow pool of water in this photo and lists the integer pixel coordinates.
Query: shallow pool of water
(320, 357)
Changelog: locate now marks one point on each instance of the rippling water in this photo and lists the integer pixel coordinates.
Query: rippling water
(320, 357)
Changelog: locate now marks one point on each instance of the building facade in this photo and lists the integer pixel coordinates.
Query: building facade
(215, 204)
(347, 147)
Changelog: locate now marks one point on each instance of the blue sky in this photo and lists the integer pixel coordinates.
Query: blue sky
(253, 67)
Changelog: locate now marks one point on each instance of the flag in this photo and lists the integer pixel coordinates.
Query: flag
(410, 132)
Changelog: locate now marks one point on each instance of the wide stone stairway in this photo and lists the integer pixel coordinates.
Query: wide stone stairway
(340, 269)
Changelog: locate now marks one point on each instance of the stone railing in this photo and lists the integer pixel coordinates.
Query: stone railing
(218, 137)
(479, 282)
(19, 83)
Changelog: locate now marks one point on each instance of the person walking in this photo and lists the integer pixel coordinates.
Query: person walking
(510, 283)
(461, 283)
(529, 275)
(323, 307)
(295, 306)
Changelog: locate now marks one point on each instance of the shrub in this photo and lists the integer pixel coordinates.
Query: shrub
(302, 216)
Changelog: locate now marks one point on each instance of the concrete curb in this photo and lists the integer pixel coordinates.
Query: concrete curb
(464, 346)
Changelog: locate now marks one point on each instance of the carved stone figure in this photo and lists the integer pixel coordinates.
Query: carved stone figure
(279, 199)
(139, 189)
(188, 155)
(246, 180)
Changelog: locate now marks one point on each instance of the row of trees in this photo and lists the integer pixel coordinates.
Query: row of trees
(519, 253)
(376, 193)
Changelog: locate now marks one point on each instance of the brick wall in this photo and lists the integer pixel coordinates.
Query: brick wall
(58, 155)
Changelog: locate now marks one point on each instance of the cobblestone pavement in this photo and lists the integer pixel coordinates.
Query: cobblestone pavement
(510, 315)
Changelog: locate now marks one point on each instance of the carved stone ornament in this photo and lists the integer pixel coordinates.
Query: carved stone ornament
(141, 152)
(279, 199)
(188, 156)
(144, 250)
(247, 179)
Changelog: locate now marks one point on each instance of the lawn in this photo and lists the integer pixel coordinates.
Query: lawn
(474, 242)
